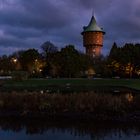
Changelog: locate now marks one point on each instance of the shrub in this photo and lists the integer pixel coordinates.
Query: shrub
(20, 75)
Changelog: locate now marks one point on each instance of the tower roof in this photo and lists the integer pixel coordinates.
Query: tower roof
(92, 26)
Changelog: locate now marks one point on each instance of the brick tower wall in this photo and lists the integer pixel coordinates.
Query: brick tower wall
(93, 41)
(93, 38)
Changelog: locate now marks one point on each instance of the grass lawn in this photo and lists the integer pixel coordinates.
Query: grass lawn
(71, 83)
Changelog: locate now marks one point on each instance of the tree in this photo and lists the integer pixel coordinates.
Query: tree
(70, 61)
(48, 48)
(114, 52)
(28, 59)
(74, 63)
(5, 65)
(124, 61)
(50, 54)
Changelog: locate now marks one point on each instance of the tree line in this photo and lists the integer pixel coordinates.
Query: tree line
(69, 62)
(51, 62)
(125, 61)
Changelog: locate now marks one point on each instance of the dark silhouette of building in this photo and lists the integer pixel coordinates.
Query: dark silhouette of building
(93, 38)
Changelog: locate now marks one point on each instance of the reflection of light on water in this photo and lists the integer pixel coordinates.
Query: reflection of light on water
(129, 97)
(116, 91)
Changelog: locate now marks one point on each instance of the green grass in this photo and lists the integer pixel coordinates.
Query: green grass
(74, 84)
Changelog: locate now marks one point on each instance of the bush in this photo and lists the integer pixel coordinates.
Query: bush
(20, 75)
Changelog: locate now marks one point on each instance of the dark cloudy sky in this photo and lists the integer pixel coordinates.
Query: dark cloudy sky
(28, 23)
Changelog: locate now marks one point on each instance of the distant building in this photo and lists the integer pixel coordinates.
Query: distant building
(93, 38)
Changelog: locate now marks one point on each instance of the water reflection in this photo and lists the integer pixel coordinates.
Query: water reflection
(42, 129)
(129, 97)
(12, 129)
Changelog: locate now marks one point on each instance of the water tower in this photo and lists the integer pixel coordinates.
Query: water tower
(93, 38)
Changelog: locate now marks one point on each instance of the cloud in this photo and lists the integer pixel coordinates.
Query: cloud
(29, 23)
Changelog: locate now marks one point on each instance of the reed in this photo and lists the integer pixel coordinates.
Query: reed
(89, 102)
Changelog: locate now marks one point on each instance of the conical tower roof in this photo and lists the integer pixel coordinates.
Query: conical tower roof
(92, 27)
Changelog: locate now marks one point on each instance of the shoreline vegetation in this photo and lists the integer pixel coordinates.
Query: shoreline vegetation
(38, 102)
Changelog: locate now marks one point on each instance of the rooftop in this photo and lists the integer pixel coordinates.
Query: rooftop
(92, 26)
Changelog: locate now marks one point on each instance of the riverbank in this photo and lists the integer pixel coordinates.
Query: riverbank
(80, 106)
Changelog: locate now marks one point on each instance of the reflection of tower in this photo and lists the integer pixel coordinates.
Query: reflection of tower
(93, 38)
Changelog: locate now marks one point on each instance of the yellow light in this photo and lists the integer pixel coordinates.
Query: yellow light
(129, 97)
(14, 60)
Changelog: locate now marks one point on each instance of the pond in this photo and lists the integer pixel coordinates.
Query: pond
(14, 129)
(26, 128)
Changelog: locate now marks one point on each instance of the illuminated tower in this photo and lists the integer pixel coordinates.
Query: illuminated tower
(93, 38)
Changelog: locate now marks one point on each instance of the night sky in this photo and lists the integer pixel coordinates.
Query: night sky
(28, 23)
